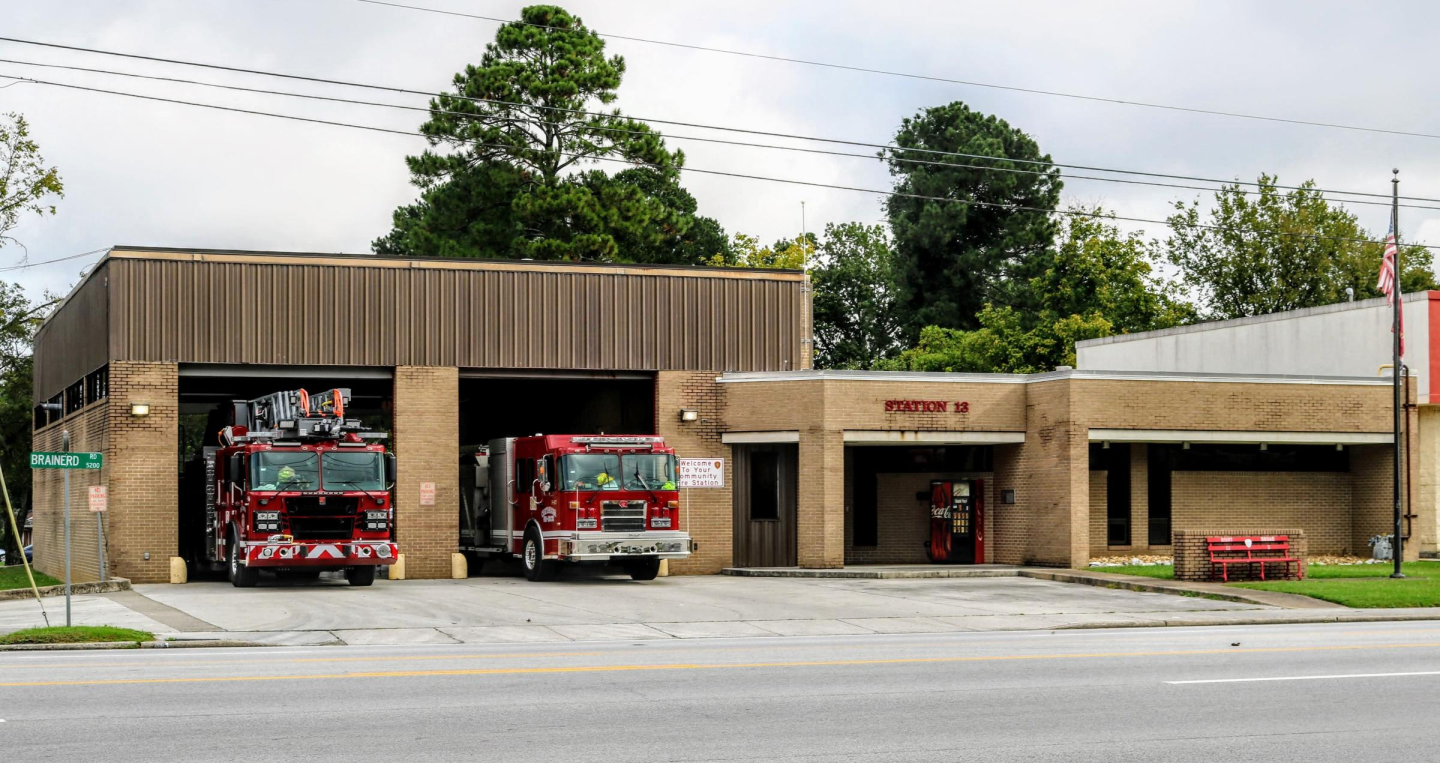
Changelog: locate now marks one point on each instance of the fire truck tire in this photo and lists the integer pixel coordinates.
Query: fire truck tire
(645, 568)
(360, 576)
(240, 575)
(532, 558)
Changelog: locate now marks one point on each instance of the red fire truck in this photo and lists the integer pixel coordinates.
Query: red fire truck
(549, 499)
(293, 486)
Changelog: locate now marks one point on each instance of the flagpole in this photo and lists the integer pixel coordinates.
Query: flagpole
(1396, 548)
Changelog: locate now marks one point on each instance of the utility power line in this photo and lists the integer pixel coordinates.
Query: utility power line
(23, 266)
(720, 128)
(721, 173)
(672, 136)
(925, 77)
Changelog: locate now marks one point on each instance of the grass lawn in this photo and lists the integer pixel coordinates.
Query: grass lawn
(79, 634)
(1365, 585)
(14, 577)
(1164, 571)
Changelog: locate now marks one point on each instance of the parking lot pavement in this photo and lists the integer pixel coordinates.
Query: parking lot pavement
(605, 608)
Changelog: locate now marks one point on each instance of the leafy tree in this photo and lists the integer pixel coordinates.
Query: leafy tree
(26, 185)
(507, 171)
(1098, 283)
(19, 319)
(856, 319)
(746, 252)
(1270, 250)
(952, 258)
(25, 182)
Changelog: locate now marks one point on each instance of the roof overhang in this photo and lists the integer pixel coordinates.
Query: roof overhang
(1240, 437)
(915, 437)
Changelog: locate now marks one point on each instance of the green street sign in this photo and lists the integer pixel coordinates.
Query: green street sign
(65, 460)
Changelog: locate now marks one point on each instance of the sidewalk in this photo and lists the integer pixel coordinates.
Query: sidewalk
(513, 610)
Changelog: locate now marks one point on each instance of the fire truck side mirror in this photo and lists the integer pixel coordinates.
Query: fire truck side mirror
(234, 471)
(390, 469)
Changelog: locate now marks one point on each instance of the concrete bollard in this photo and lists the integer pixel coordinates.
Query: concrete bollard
(179, 571)
(459, 568)
(397, 568)
(664, 568)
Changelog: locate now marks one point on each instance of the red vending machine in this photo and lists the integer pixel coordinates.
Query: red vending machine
(957, 522)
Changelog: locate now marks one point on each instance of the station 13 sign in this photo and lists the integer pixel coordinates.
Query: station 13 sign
(39, 460)
(927, 406)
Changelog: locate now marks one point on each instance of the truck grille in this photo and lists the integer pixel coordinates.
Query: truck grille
(310, 506)
(622, 516)
(322, 528)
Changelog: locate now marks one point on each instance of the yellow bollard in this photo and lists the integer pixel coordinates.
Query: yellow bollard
(459, 567)
(179, 572)
(397, 568)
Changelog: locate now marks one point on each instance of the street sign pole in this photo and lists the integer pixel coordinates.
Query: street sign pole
(100, 542)
(65, 446)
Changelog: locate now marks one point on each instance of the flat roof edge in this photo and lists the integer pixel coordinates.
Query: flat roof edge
(1304, 312)
(998, 378)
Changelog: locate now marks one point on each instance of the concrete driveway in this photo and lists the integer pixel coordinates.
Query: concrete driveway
(511, 609)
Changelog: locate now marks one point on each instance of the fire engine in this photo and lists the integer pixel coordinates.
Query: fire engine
(296, 487)
(552, 499)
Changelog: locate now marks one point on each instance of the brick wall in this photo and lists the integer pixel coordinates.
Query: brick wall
(89, 432)
(1099, 513)
(1192, 552)
(904, 519)
(1317, 503)
(708, 514)
(427, 449)
(1373, 494)
(142, 469)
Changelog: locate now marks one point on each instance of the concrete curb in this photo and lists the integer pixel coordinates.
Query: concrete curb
(76, 589)
(1147, 585)
(863, 574)
(127, 645)
(1367, 617)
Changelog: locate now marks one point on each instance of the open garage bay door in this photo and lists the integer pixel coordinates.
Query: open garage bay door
(507, 404)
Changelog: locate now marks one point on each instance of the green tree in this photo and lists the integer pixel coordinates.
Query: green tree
(26, 184)
(1268, 250)
(856, 318)
(510, 169)
(746, 252)
(951, 257)
(1098, 282)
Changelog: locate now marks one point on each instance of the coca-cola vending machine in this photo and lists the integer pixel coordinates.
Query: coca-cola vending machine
(957, 522)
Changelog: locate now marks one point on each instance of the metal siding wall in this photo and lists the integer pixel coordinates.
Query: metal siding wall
(75, 341)
(210, 311)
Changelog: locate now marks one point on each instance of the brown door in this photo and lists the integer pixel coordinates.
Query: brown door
(765, 501)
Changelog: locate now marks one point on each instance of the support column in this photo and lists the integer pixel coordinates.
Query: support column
(140, 467)
(820, 524)
(427, 450)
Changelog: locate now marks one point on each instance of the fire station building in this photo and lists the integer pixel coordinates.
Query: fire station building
(822, 468)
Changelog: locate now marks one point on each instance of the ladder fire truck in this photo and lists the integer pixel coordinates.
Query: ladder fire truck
(551, 499)
(294, 486)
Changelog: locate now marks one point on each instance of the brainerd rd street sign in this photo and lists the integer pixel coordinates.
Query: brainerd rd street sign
(65, 460)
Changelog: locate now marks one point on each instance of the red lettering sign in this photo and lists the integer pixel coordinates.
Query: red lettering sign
(926, 406)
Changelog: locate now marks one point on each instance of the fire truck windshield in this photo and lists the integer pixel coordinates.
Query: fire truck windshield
(590, 471)
(281, 470)
(357, 470)
(648, 471)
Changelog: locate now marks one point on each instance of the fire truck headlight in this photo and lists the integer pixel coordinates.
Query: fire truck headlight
(267, 552)
(267, 516)
(376, 520)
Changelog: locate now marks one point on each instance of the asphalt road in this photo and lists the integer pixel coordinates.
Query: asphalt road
(1292, 692)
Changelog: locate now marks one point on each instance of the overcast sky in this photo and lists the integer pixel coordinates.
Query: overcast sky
(153, 174)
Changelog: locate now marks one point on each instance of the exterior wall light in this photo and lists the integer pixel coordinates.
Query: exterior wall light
(139, 409)
(689, 414)
(1264, 446)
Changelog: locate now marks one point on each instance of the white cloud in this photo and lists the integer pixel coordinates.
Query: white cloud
(151, 174)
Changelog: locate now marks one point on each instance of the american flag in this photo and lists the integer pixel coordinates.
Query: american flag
(1389, 283)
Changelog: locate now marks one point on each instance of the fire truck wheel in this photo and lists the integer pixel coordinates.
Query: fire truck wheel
(360, 576)
(643, 569)
(533, 558)
(240, 575)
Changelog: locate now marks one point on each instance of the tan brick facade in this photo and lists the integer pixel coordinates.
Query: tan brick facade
(427, 449)
(706, 513)
(89, 431)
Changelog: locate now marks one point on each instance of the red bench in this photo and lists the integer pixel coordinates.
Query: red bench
(1255, 550)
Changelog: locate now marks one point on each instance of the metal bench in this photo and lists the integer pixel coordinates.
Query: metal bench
(1253, 550)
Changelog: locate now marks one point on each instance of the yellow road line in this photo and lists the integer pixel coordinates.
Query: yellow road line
(396, 658)
(714, 666)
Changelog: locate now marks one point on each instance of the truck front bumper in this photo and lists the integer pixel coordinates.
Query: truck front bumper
(602, 546)
(310, 554)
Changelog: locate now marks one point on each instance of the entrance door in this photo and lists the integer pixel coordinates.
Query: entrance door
(957, 522)
(765, 505)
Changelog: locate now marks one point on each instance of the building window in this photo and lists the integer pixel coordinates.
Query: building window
(97, 385)
(1115, 462)
(764, 485)
(75, 397)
